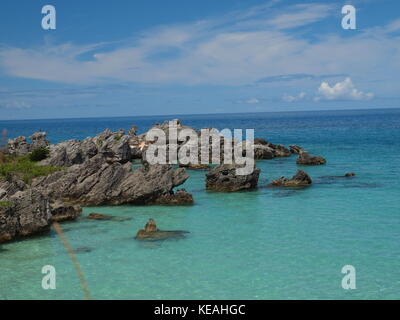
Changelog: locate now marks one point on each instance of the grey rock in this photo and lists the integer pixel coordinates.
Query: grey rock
(301, 178)
(224, 178)
(306, 159)
(99, 182)
(28, 214)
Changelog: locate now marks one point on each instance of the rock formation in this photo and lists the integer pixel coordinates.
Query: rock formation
(296, 149)
(305, 159)
(224, 178)
(300, 179)
(152, 233)
(97, 182)
(180, 197)
(28, 214)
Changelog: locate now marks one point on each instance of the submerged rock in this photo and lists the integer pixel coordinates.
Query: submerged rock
(99, 216)
(300, 179)
(224, 178)
(152, 233)
(305, 159)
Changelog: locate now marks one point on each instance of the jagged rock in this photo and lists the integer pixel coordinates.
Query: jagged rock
(70, 152)
(301, 178)
(180, 197)
(39, 140)
(115, 142)
(305, 159)
(279, 150)
(132, 131)
(224, 178)
(262, 151)
(98, 182)
(18, 146)
(296, 149)
(8, 188)
(152, 233)
(62, 212)
(28, 214)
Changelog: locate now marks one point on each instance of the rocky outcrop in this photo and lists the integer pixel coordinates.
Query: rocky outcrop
(300, 179)
(152, 233)
(296, 149)
(99, 182)
(28, 214)
(62, 212)
(72, 152)
(266, 150)
(180, 197)
(306, 159)
(20, 146)
(224, 178)
(8, 188)
(39, 140)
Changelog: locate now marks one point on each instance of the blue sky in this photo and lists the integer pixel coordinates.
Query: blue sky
(126, 58)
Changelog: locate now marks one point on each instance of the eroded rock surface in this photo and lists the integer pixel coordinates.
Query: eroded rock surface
(306, 159)
(224, 178)
(152, 233)
(300, 179)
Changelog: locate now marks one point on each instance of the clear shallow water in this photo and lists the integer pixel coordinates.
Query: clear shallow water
(265, 244)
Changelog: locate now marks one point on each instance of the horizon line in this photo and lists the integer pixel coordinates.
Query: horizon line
(201, 114)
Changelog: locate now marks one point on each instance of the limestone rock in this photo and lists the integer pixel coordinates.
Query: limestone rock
(301, 178)
(224, 178)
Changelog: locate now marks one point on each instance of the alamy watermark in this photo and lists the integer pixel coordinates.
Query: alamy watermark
(186, 146)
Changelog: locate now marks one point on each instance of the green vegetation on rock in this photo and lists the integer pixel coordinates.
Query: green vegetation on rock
(22, 167)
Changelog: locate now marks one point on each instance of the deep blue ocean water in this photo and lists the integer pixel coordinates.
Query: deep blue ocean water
(265, 244)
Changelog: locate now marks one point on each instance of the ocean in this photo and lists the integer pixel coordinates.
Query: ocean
(269, 243)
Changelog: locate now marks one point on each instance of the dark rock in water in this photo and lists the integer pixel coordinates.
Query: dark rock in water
(283, 194)
(62, 212)
(83, 250)
(300, 179)
(224, 178)
(296, 149)
(28, 214)
(305, 159)
(98, 182)
(262, 151)
(99, 216)
(347, 175)
(180, 197)
(106, 217)
(152, 233)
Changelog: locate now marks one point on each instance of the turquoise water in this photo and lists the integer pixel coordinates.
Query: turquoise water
(265, 244)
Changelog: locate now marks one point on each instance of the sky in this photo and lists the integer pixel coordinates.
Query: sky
(148, 57)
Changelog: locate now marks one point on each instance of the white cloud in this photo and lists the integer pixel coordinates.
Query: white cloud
(252, 101)
(290, 98)
(236, 49)
(344, 90)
